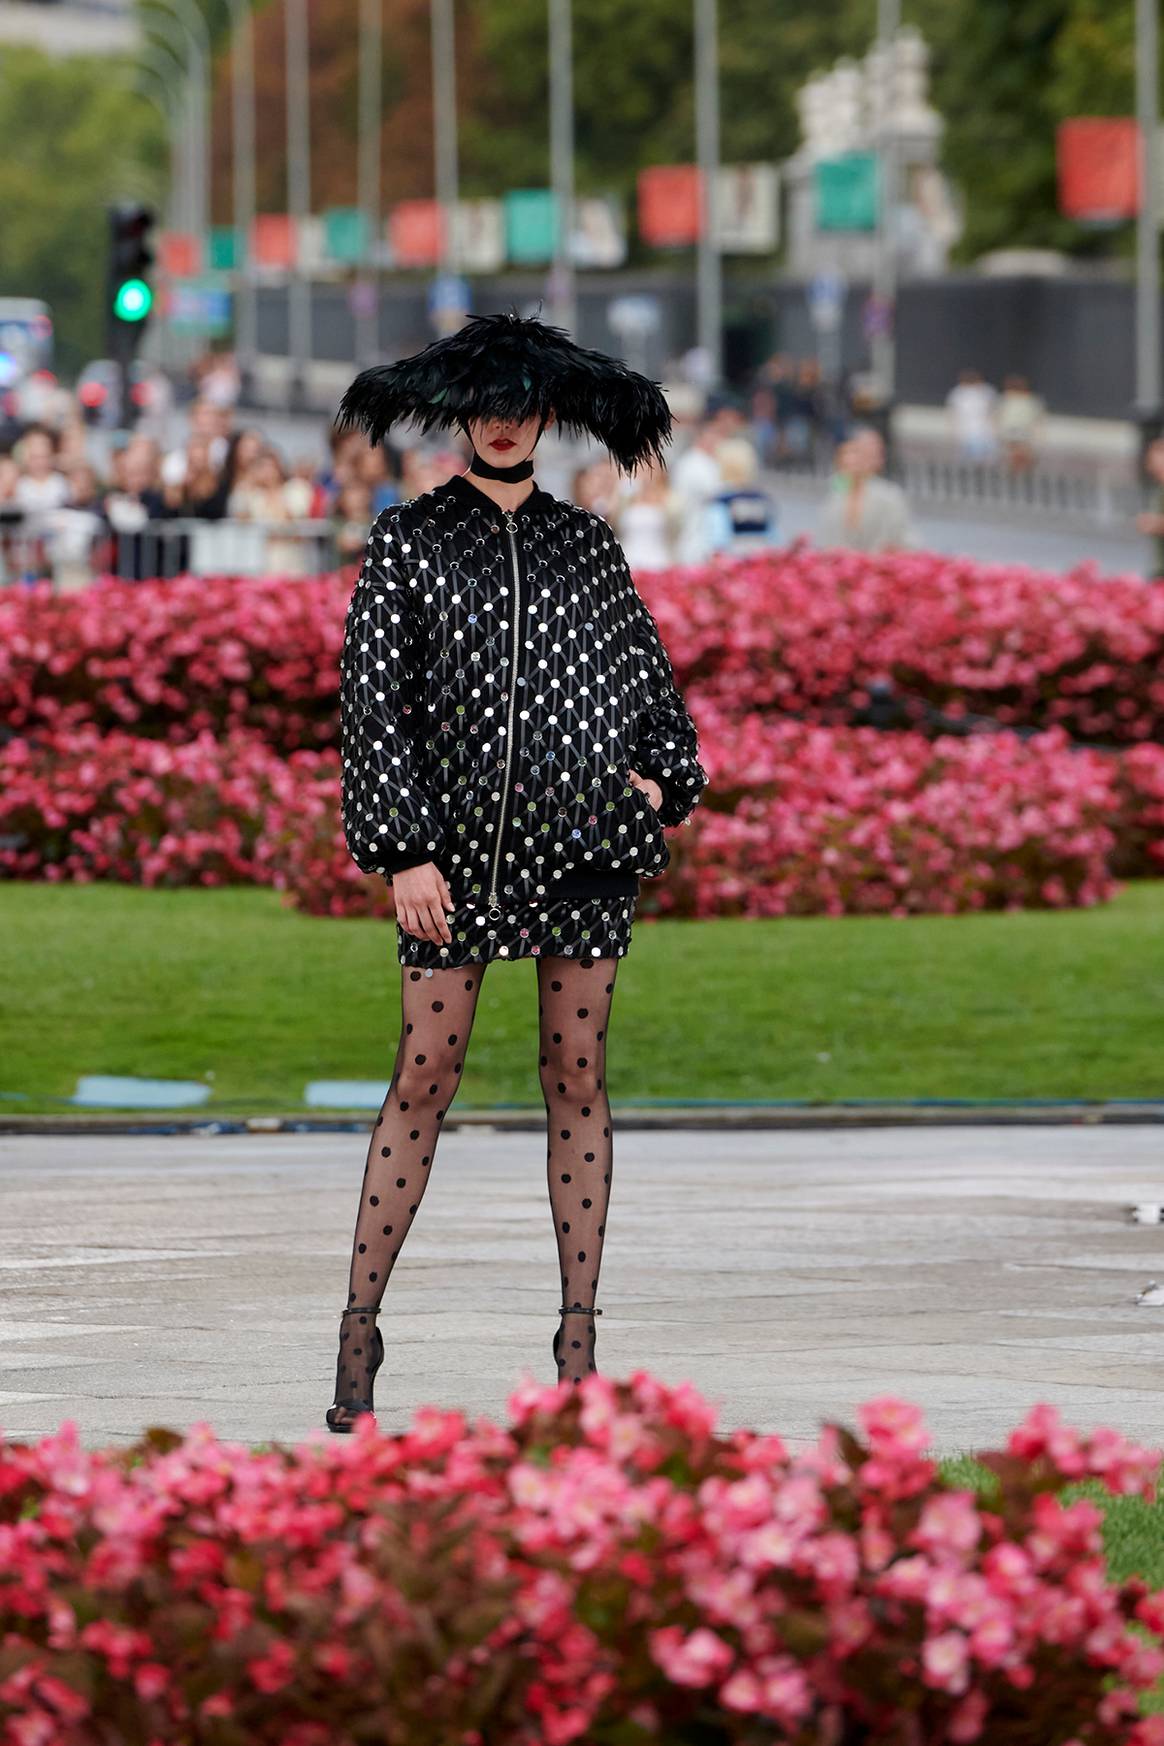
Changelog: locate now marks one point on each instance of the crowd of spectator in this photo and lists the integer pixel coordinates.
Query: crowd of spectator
(147, 511)
(227, 499)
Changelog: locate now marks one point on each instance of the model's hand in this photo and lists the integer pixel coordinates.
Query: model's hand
(650, 788)
(421, 900)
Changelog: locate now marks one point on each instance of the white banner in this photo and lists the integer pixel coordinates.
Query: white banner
(479, 234)
(599, 238)
(748, 217)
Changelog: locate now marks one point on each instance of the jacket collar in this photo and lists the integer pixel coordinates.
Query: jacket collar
(538, 502)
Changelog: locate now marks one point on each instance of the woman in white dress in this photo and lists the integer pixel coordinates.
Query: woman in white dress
(648, 521)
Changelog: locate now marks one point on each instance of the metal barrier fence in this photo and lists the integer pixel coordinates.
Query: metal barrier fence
(1096, 494)
(1072, 491)
(1083, 490)
(177, 546)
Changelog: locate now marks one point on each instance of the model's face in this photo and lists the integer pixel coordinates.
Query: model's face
(506, 441)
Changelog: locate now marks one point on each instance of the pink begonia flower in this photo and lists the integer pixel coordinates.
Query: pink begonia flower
(274, 1670)
(833, 1560)
(151, 1680)
(697, 1659)
(968, 1719)
(894, 1425)
(33, 1730)
(949, 1523)
(946, 1660)
(787, 1693)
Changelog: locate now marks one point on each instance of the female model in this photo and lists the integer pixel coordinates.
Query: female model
(513, 747)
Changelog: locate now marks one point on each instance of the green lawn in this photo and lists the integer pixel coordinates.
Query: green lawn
(182, 984)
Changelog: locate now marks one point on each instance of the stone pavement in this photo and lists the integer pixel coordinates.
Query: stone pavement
(788, 1275)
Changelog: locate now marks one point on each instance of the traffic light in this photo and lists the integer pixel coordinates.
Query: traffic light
(129, 293)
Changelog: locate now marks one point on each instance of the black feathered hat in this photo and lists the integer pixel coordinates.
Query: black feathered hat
(513, 366)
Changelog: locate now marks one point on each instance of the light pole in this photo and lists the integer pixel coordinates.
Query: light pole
(185, 23)
(563, 301)
(242, 46)
(160, 99)
(298, 99)
(371, 115)
(1148, 407)
(175, 39)
(444, 97)
(884, 342)
(181, 122)
(709, 286)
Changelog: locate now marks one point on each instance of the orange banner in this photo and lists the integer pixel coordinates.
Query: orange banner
(273, 240)
(179, 255)
(1098, 159)
(669, 205)
(415, 233)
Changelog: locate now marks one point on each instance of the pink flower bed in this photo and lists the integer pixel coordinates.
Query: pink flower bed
(806, 632)
(834, 821)
(801, 632)
(805, 820)
(176, 659)
(604, 1569)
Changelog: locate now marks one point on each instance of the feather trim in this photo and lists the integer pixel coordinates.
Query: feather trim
(514, 366)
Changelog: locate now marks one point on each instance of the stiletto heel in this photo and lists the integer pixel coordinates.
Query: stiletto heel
(356, 1370)
(574, 1309)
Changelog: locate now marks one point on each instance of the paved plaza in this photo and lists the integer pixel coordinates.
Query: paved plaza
(788, 1275)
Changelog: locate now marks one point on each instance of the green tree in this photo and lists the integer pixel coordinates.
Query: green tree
(634, 86)
(71, 141)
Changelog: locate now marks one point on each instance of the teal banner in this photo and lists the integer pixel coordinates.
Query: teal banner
(530, 225)
(846, 192)
(222, 254)
(345, 231)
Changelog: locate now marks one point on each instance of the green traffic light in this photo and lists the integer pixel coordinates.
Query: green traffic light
(134, 300)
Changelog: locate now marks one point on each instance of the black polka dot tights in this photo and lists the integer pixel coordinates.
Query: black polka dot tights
(437, 1012)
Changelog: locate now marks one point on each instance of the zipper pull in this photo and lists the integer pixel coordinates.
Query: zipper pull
(510, 523)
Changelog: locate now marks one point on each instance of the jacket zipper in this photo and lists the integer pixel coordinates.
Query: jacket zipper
(494, 911)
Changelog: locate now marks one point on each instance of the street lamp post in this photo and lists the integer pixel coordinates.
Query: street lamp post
(298, 100)
(162, 99)
(242, 43)
(181, 121)
(371, 116)
(884, 343)
(1148, 390)
(175, 51)
(563, 301)
(709, 286)
(444, 94)
(184, 22)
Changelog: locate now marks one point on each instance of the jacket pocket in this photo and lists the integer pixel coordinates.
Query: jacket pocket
(644, 831)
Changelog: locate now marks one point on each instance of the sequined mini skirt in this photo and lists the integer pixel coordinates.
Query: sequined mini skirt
(562, 927)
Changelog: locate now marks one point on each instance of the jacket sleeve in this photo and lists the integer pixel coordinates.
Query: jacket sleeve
(390, 822)
(666, 748)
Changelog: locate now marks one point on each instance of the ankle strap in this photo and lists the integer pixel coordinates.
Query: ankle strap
(574, 1309)
(357, 1311)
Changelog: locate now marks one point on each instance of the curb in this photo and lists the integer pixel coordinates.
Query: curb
(707, 1117)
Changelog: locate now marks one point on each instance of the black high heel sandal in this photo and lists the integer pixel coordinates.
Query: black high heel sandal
(574, 1309)
(361, 1374)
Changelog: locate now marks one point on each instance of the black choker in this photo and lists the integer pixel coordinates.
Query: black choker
(510, 475)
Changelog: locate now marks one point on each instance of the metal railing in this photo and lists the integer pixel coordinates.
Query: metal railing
(30, 549)
(1082, 490)
(1097, 493)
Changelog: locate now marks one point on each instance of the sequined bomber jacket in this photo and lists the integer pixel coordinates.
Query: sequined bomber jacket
(500, 676)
